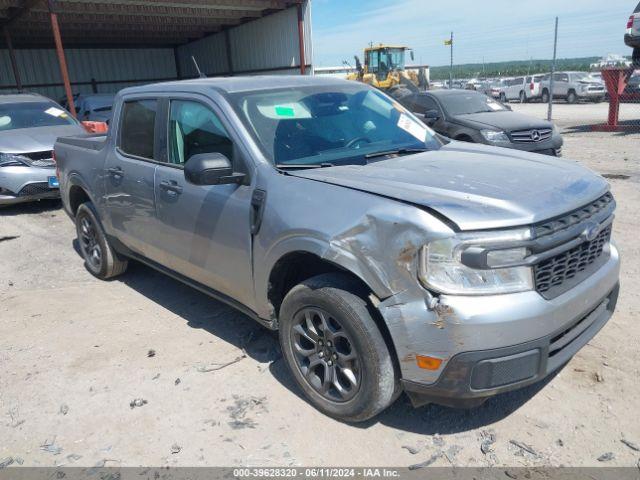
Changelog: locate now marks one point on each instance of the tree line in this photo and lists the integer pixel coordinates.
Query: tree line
(512, 68)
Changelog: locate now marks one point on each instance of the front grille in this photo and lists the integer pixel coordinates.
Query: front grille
(534, 135)
(573, 218)
(34, 189)
(556, 272)
(40, 159)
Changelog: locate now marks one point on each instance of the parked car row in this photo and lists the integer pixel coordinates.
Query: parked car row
(569, 86)
(475, 117)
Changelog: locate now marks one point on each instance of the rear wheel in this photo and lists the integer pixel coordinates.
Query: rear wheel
(636, 57)
(100, 258)
(572, 97)
(545, 96)
(503, 97)
(335, 350)
(523, 97)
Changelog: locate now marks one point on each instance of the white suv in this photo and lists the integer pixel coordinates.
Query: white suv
(632, 35)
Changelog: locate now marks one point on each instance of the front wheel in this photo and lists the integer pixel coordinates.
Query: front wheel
(523, 97)
(100, 258)
(503, 98)
(636, 57)
(572, 97)
(335, 350)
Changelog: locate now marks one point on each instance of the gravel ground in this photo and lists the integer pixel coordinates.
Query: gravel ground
(76, 354)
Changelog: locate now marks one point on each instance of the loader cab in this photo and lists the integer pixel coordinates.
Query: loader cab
(383, 60)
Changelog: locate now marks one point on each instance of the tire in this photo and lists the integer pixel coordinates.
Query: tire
(572, 97)
(100, 258)
(545, 96)
(503, 98)
(598, 100)
(635, 58)
(523, 97)
(328, 332)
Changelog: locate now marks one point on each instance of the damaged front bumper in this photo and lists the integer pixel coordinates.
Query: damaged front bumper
(494, 344)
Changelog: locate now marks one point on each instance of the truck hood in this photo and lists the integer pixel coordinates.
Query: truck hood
(39, 139)
(474, 186)
(508, 121)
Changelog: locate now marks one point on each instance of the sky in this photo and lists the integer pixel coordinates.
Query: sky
(496, 30)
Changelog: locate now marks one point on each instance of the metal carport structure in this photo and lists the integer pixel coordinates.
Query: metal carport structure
(60, 47)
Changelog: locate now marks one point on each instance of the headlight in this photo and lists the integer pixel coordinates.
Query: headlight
(442, 270)
(494, 136)
(11, 160)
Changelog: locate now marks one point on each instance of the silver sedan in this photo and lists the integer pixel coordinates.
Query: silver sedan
(29, 126)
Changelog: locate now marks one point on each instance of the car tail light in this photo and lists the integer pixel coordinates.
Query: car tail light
(630, 22)
(531, 86)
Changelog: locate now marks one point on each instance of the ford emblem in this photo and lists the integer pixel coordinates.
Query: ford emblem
(591, 232)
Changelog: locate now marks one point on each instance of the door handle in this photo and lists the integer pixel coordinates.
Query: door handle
(171, 186)
(115, 172)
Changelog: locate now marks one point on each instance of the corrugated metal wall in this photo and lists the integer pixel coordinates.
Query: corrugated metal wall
(39, 67)
(267, 45)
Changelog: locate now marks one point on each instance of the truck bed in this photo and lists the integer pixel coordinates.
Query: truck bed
(89, 142)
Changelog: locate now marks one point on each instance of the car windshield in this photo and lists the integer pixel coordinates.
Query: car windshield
(33, 114)
(467, 103)
(330, 125)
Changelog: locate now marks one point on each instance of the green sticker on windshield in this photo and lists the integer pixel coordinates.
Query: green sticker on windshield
(285, 112)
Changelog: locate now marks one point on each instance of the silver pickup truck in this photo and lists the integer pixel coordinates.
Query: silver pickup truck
(389, 258)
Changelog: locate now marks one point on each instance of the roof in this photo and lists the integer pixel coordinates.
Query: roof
(242, 84)
(23, 98)
(114, 23)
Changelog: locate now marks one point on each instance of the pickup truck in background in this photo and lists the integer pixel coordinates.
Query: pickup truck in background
(573, 87)
(388, 257)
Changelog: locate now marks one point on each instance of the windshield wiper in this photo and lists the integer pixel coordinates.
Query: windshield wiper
(301, 166)
(400, 151)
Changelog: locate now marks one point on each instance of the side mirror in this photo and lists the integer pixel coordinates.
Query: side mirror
(431, 116)
(211, 169)
(411, 55)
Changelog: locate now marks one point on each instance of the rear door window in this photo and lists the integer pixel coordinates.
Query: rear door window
(137, 128)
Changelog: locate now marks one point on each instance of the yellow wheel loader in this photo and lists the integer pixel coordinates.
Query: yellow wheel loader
(384, 68)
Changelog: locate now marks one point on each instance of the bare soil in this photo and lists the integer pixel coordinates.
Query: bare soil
(129, 371)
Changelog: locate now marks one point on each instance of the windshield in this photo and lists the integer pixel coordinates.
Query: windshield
(466, 103)
(33, 114)
(386, 59)
(337, 125)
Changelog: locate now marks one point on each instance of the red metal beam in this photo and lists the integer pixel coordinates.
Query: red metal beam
(61, 58)
(301, 38)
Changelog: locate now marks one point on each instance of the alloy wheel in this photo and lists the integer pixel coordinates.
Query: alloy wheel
(89, 244)
(325, 355)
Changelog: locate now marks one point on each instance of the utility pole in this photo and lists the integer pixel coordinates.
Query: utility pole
(451, 68)
(553, 71)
